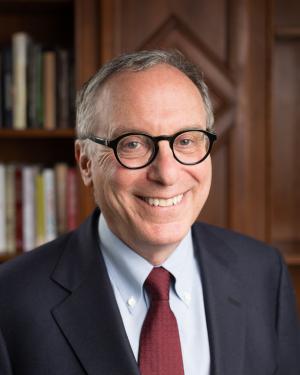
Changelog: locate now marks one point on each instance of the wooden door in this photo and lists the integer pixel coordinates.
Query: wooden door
(221, 38)
(249, 54)
(284, 135)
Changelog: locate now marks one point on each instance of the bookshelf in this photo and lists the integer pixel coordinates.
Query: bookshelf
(68, 24)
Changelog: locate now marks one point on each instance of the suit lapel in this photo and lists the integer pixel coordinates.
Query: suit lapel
(223, 301)
(89, 317)
(90, 320)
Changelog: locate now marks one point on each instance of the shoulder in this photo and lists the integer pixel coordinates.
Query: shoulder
(257, 267)
(30, 269)
(73, 252)
(239, 242)
(244, 251)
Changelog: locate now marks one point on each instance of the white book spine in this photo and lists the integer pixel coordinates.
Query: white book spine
(10, 208)
(3, 244)
(28, 177)
(50, 201)
(20, 48)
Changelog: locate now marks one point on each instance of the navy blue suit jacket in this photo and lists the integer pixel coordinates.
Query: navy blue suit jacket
(59, 316)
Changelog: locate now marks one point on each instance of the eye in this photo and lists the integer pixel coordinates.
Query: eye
(135, 145)
(131, 143)
(185, 142)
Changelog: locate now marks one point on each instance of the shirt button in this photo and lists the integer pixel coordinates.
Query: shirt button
(131, 302)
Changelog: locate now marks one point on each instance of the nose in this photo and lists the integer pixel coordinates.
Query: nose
(164, 169)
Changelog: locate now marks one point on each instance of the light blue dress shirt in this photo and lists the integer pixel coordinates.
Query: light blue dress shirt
(128, 271)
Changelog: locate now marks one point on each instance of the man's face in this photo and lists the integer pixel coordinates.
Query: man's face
(157, 101)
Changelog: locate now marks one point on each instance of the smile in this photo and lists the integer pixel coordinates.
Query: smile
(160, 202)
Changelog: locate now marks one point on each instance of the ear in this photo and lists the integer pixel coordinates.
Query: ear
(85, 164)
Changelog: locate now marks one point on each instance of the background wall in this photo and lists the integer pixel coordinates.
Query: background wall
(249, 52)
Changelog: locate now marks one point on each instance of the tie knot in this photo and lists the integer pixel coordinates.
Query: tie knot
(157, 284)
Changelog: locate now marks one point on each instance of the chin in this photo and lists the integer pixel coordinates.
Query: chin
(166, 234)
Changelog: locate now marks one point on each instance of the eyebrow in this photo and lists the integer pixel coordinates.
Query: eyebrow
(118, 131)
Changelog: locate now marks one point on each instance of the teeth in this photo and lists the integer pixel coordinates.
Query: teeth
(164, 202)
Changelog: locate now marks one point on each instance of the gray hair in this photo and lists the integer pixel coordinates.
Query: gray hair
(138, 61)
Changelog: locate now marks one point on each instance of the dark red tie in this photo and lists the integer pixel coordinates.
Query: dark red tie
(160, 351)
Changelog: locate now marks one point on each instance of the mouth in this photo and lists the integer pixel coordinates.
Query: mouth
(161, 202)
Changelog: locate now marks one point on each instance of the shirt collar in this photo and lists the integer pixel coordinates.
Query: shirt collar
(128, 270)
(181, 265)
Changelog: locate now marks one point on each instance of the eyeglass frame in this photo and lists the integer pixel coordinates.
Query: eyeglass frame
(113, 144)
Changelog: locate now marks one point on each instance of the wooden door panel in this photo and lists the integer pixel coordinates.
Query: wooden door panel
(285, 170)
(136, 22)
(285, 135)
(199, 29)
(215, 210)
(255, 96)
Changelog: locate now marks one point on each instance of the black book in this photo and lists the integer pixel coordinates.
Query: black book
(1, 92)
(7, 84)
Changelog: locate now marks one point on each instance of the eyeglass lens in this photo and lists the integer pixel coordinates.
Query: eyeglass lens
(136, 150)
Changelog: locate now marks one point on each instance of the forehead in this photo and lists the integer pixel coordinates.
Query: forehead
(159, 98)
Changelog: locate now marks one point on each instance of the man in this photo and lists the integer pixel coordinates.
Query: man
(139, 287)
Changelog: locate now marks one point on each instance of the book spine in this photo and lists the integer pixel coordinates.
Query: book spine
(31, 83)
(10, 208)
(18, 208)
(7, 83)
(40, 209)
(72, 199)
(63, 85)
(3, 245)
(39, 87)
(20, 43)
(50, 209)
(1, 92)
(49, 91)
(28, 177)
(61, 170)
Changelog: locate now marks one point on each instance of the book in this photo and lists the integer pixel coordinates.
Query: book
(18, 208)
(34, 84)
(39, 87)
(36, 204)
(63, 88)
(50, 204)
(10, 208)
(39, 209)
(1, 93)
(49, 89)
(20, 43)
(72, 198)
(3, 245)
(61, 170)
(29, 211)
(6, 78)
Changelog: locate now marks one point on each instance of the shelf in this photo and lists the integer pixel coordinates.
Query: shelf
(31, 5)
(292, 260)
(6, 257)
(36, 133)
(290, 251)
(287, 33)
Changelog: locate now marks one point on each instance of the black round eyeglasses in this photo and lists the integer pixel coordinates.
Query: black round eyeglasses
(137, 150)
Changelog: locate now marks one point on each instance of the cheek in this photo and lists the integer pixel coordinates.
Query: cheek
(112, 182)
(202, 172)
(203, 176)
(103, 170)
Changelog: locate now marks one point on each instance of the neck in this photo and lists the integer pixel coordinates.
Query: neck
(154, 254)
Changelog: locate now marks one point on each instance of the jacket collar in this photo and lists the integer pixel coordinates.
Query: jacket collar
(222, 299)
(89, 317)
(90, 320)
